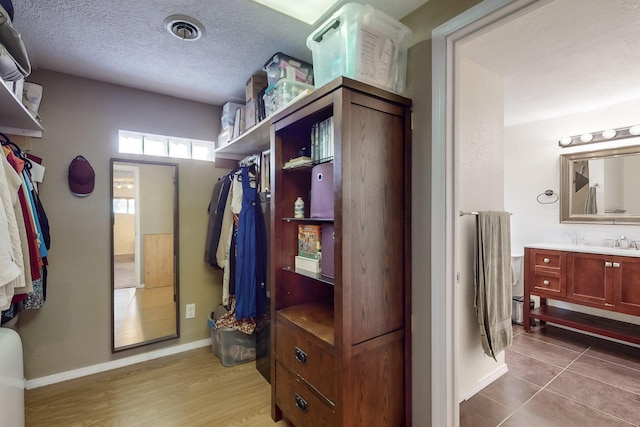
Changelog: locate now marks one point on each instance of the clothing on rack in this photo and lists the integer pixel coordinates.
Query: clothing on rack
(24, 234)
(240, 246)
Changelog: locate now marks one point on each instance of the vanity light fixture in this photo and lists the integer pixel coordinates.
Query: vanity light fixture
(605, 135)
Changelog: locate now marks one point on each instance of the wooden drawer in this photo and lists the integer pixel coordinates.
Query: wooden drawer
(548, 259)
(299, 403)
(306, 358)
(550, 284)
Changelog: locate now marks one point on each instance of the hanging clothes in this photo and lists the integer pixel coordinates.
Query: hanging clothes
(250, 284)
(241, 247)
(30, 238)
(216, 212)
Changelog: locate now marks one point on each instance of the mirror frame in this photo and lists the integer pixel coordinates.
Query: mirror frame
(566, 184)
(176, 236)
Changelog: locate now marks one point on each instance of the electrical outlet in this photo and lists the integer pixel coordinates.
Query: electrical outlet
(190, 311)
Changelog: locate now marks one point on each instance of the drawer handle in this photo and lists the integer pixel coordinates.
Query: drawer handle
(616, 264)
(545, 282)
(301, 403)
(546, 260)
(301, 356)
(608, 264)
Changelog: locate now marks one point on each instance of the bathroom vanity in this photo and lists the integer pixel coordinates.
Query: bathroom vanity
(604, 278)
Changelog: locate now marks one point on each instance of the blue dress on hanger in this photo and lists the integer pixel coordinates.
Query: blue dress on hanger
(251, 253)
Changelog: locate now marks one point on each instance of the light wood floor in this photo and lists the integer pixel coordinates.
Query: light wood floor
(187, 389)
(142, 314)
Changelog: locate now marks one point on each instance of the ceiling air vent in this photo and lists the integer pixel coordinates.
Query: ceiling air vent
(184, 27)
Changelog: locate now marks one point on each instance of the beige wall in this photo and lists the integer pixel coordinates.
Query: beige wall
(422, 22)
(480, 183)
(80, 116)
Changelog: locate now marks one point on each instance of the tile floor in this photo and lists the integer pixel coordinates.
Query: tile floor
(560, 378)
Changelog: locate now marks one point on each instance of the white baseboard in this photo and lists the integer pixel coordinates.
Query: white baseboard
(474, 389)
(114, 364)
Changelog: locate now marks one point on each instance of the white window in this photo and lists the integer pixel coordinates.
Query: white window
(165, 146)
(124, 206)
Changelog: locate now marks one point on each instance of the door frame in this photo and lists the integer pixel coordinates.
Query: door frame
(444, 206)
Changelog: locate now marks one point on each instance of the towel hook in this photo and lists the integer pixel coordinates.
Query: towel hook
(548, 193)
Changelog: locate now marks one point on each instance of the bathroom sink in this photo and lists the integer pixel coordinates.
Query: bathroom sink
(585, 248)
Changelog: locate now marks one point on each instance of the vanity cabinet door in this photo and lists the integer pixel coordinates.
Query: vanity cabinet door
(626, 287)
(590, 279)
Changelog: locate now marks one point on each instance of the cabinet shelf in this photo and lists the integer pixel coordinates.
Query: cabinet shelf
(308, 219)
(317, 276)
(315, 318)
(586, 322)
(15, 119)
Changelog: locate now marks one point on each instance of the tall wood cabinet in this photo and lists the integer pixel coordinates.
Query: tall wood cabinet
(341, 345)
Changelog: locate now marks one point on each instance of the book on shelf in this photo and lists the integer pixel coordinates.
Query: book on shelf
(297, 162)
(322, 141)
(309, 241)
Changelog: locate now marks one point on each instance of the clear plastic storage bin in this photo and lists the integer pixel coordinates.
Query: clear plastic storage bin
(282, 93)
(364, 44)
(281, 66)
(232, 346)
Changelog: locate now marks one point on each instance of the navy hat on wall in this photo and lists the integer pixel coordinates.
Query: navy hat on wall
(81, 177)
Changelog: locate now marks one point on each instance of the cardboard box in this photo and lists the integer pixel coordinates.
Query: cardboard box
(250, 116)
(254, 85)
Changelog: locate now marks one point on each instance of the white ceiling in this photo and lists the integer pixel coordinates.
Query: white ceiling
(564, 57)
(124, 42)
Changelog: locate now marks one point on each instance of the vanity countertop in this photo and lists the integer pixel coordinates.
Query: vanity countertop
(586, 249)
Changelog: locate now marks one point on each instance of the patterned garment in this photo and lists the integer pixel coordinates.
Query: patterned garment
(35, 299)
(228, 320)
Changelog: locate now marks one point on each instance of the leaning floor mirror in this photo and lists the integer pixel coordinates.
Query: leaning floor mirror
(144, 236)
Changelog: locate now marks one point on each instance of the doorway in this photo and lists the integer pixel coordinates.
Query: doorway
(543, 122)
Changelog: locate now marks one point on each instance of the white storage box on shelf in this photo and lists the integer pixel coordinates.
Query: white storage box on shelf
(364, 44)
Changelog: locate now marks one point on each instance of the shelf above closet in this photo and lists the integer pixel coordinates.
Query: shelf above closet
(15, 119)
(253, 141)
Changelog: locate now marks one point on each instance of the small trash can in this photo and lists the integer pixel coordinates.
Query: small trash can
(517, 310)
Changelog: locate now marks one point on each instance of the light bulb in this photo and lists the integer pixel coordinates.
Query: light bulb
(609, 133)
(634, 130)
(566, 140)
(587, 137)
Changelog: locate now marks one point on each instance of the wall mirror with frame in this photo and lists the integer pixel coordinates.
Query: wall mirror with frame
(600, 186)
(144, 236)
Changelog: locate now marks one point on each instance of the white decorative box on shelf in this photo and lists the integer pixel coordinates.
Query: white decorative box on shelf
(15, 119)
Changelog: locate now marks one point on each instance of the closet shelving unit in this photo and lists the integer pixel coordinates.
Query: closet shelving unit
(255, 140)
(15, 119)
(341, 346)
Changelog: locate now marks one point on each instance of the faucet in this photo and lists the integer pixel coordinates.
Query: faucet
(622, 243)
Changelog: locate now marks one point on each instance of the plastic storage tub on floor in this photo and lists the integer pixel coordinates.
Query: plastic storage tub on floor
(364, 44)
(232, 346)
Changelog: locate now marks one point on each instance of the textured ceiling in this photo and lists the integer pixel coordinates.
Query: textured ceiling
(564, 57)
(124, 42)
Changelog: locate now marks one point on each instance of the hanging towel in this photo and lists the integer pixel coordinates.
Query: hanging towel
(590, 206)
(493, 281)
